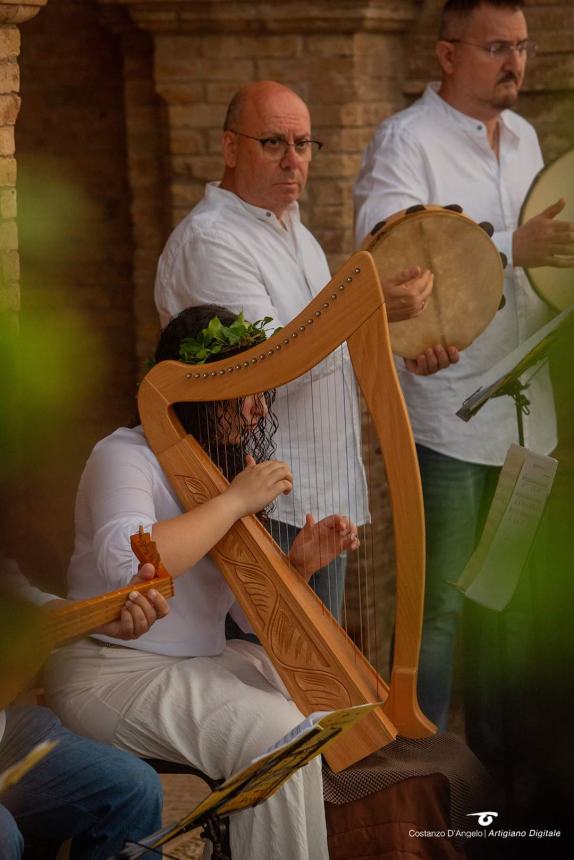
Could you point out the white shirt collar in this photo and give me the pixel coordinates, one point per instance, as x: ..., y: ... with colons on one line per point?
x: 213, y: 192
x: 470, y: 124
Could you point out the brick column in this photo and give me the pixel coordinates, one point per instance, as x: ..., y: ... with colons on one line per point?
x: 12, y: 13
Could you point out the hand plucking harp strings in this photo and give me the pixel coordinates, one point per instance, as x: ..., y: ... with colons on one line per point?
x: 319, y: 543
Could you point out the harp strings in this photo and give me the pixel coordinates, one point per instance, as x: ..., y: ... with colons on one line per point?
x: 333, y: 413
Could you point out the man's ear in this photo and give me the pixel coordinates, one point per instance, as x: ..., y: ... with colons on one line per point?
x: 229, y: 148
x: 445, y: 54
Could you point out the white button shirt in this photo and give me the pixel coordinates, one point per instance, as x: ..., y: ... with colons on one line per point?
x: 231, y: 253
x: 432, y: 153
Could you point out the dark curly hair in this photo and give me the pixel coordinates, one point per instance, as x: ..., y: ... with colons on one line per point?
x: 210, y: 423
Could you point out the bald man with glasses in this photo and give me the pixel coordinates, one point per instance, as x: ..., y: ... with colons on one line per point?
x: 461, y: 143
x: 244, y: 247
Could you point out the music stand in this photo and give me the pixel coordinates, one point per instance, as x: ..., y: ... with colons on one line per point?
x: 504, y: 377
x: 258, y: 781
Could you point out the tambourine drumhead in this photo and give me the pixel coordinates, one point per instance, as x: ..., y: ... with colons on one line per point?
x: 468, y: 276
x: 556, y: 180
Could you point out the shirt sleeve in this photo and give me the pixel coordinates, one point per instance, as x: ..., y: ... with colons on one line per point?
x: 392, y: 178
x: 118, y: 486
x: 211, y: 267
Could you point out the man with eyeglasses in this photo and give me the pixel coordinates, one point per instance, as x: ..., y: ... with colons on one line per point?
x: 460, y: 143
x: 244, y: 247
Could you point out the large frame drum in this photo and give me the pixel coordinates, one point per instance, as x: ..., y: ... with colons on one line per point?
x: 556, y: 180
x: 467, y: 268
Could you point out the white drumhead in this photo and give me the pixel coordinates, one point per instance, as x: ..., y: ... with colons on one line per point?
x: 468, y: 276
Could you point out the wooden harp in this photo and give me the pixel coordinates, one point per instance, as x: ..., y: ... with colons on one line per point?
x: 319, y: 664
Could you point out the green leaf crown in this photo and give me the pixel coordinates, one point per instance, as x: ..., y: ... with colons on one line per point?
x: 217, y: 339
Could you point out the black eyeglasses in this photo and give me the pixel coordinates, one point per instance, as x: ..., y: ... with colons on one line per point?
x: 275, y: 148
x: 500, y: 49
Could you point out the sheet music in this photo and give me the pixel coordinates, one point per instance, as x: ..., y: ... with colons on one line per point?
x: 492, y: 574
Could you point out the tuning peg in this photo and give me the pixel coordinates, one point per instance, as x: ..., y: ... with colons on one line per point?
x: 377, y: 227
x: 454, y: 207
x: 503, y: 260
x: 418, y: 208
x: 502, y: 303
x: 487, y: 227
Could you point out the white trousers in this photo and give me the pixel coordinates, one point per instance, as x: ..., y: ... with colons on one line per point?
x: 217, y: 713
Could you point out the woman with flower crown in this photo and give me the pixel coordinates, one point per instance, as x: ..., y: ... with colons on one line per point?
x: 182, y: 692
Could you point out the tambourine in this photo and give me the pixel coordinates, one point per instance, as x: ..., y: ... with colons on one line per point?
x: 556, y: 180
x: 467, y: 267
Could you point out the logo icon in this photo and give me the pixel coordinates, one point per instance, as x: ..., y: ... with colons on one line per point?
x: 484, y: 818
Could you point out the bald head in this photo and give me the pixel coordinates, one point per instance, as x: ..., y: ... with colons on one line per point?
x: 256, y: 113
x: 257, y: 94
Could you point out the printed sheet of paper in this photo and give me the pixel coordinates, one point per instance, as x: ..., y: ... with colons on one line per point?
x: 492, y: 574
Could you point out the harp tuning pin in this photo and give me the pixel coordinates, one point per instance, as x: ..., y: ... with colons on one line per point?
x: 310, y: 321
x: 286, y: 341
x: 487, y: 227
x: 253, y: 361
x: 222, y: 373
x: 341, y: 287
x: 333, y: 296
x: 357, y: 271
x: 270, y: 352
x: 294, y: 334
x: 188, y: 375
x: 325, y: 304
x: 503, y: 260
x: 502, y: 303
x: 454, y: 207
x: 349, y: 280
x: 317, y: 313
x: 301, y: 328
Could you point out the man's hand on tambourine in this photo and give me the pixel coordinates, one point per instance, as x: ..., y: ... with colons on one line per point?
x: 542, y: 241
x: 407, y: 294
x: 432, y: 360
